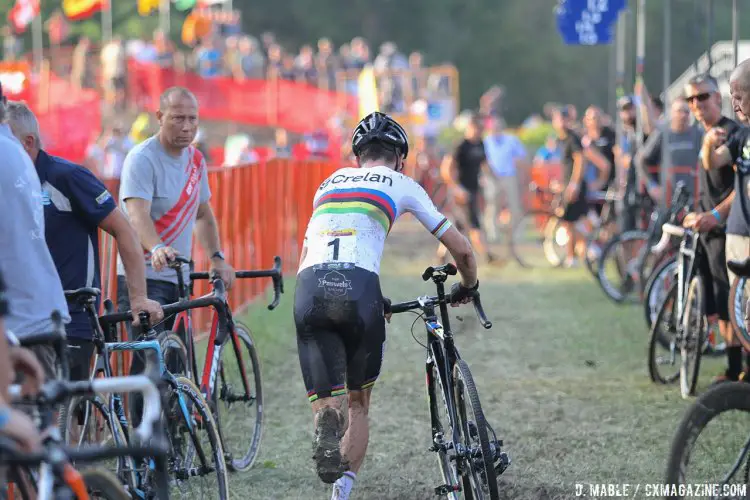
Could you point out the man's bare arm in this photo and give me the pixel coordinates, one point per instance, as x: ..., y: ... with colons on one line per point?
x: 715, y: 158
x: 207, y: 229
x: 139, y: 213
x: 447, y: 171
x: 130, y: 250
x: 724, y: 207
x: 602, y: 165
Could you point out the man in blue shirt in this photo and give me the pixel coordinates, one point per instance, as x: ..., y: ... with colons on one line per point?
x: 504, y: 153
x: 76, y: 205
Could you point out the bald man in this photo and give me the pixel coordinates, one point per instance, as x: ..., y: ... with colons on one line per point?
x: 721, y: 149
x: 164, y: 192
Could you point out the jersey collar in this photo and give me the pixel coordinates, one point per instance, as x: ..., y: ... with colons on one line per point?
x: 43, y: 164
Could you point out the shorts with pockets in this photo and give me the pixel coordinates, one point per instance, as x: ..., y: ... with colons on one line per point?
x: 338, y: 314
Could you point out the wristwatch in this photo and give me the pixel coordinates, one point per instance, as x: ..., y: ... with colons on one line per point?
x: 218, y: 255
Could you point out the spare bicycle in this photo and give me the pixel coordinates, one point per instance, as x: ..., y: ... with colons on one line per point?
x: 469, y: 460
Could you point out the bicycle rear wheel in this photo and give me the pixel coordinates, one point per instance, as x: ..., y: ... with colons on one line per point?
x: 86, y: 420
x: 538, y: 240
x: 481, y: 478
x: 102, y: 484
x: 683, y: 459
x: 693, y: 333
x: 238, y: 399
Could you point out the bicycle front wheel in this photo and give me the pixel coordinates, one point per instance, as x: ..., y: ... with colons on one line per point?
x: 238, y: 399
x: 693, y: 332
x: 720, y: 456
x: 196, y: 461
x: 657, y: 287
x: 662, y: 348
x: 480, y: 479
x: 618, y: 272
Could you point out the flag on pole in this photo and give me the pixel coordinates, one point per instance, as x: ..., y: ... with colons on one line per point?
x: 76, y: 10
x: 22, y: 13
x: 146, y: 7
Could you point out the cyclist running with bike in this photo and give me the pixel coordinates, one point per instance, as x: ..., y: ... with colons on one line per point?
x: 339, y: 307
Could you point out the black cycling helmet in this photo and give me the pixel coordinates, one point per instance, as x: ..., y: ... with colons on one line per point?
x: 379, y: 127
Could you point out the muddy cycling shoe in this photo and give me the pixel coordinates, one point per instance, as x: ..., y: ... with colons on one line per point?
x: 329, y: 430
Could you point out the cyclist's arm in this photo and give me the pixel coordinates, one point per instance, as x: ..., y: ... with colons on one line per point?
x: 419, y: 204
x: 463, y: 254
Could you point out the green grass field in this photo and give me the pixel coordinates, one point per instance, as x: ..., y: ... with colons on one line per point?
x: 562, y: 378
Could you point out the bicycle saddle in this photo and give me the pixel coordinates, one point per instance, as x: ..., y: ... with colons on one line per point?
x: 740, y: 267
x: 82, y: 293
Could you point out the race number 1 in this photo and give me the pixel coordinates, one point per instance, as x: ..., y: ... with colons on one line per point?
x: 341, y: 245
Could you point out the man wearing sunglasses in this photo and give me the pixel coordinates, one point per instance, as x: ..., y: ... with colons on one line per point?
x: 717, y: 192
x: 724, y: 147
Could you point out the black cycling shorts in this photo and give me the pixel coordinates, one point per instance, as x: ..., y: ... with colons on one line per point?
x: 577, y: 208
x: 715, y: 276
x: 338, y: 313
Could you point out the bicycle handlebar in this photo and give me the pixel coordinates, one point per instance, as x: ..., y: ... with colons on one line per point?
x: 669, y: 231
x: 425, y: 301
x: 10, y: 453
x: 57, y: 391
x: 275, y: 273
x: 217, y: 299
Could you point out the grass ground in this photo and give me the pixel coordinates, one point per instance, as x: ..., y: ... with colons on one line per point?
x: 562, y: 378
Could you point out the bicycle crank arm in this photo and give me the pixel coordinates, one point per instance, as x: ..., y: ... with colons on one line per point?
x: 444, y: 489
x: 194, y: 472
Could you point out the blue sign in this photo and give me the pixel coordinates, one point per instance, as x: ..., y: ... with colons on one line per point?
x: 588, y: 22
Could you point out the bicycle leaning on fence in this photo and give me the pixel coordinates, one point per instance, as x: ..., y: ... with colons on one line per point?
x: 469, y: 460
x: 231, y: 377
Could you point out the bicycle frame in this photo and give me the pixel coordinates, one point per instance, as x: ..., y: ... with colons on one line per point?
x: 55, y: 460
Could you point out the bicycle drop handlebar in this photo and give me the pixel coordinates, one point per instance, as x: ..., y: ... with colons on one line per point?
x: 275, y: 273
x: 439, y: 275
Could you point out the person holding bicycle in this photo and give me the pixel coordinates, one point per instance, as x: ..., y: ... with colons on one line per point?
x: 339, y: 307
x: 723, y: 147
x: 76, y: 206
x: 716, y: 196
x: 165, y: 194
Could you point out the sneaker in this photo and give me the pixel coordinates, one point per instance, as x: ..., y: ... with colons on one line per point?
x: 327, y: 445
